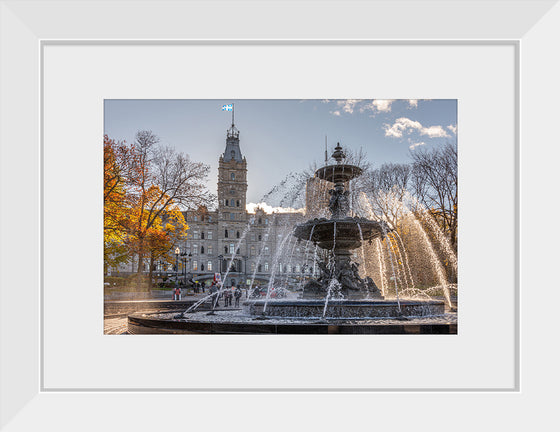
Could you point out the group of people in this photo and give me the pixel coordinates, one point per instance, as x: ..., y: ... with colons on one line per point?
x: 228, y: 294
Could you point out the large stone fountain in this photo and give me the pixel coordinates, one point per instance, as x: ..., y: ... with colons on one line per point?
x: 338, y: 236
x: 338, y: 301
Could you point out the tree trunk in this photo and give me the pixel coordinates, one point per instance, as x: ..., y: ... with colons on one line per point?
x: 150, y: 274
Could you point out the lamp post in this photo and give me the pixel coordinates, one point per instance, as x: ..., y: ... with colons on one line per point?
x: 177, y: 252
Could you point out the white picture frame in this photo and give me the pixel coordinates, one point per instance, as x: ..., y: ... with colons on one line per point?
x: 27, y: 27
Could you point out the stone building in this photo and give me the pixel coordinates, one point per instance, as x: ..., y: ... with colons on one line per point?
x: 244, y: 245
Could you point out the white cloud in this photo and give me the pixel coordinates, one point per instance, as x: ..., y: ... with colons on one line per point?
x: 335, y: 113
x: 434, y: 132
x: 414, y: 145
x: 453, y: 128
x: 377, y: 105
x: 252, y: 207
x: 405, y: 125
x: 413, y: 103
x: 400, y: 126
x: 348, y: 105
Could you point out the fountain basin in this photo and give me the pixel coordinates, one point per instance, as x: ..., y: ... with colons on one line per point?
x: 339, y: 173
x: 236, y: 322
x: 322, y: 232
x: 344, y: 309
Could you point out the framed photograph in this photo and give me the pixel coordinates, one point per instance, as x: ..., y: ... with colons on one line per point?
x: 68, y: 81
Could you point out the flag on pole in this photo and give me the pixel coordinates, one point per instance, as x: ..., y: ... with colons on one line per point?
x: 228, y: 107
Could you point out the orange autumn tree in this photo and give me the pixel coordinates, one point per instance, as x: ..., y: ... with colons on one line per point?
x: 159, y: 182
x: 115, y: 155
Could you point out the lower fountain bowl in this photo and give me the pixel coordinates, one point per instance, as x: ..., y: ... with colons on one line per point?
x: 341, y: 317
x: 344, y: 309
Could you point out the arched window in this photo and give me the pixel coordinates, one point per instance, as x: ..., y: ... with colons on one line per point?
x: 266, y: 266
x: 202, y: 267
x: 266, y: 251
x: 233, y: 174
x: 260, y: 237
x: 202, y: 235
x: 226, y: 234
x: 237, y: 234
x: 225, y: 249
x: 260, y: 268
x: 260, y: 221
x: 227, y: 203
x: 237, y: 203
x: 201, y: 250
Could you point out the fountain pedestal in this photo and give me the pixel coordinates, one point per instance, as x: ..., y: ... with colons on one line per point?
x: 340, y: 234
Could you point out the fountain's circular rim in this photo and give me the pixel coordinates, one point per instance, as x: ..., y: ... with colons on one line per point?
x: 347, y: 171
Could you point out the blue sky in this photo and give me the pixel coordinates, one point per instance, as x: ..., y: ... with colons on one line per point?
x: 280, y: 136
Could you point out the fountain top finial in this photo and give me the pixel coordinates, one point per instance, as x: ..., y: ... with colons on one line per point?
x: 338, y: 154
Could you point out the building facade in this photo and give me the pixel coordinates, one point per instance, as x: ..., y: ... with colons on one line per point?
x: 249, y: 248
x: 245, y: 248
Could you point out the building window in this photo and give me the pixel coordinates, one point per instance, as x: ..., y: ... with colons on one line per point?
x: 202, y: 267
x: 227, y: 203
x: 266, y: 266
x: 266, y: 251
x: 252, y: 236
x: 260, y: 268
x: 195, y: 235
x: 232, y: 216
x: 202, y: 235
x: 209, y: 252
x: 260, y: 238
x: 225, y: 249
x: 201, y: 250
x: 280, y: 268
x: 231, y: 248
x: 195, y: 218
x: 237, y: 203
x: 288, y: 268
x: 209, y: 265
x: 226, y: 234
x: 233, y: 174
x: 209, y: 218
x: 195, y: 265
x: 195, y: 249
x: 252, y: 250
x: 209, y: 235
x: 253, y: 266
x: 266, y: 237
x: 298, y: 268
x: 237, y: 234
x: 260, y: 221
x: 266, y: 221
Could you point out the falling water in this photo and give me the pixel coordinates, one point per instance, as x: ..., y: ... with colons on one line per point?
x: 440, y: 236
x: 259, y: 257
x: 306, y: 255
x: 405, y: 258
x: 381, y: 267
x: 393, y: 270
x: 332, y: 284
x: 400, y: 262
x: 440, y: 272
x: 273, y: 269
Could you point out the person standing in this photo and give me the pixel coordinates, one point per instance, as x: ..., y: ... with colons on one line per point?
x: 238, y: 295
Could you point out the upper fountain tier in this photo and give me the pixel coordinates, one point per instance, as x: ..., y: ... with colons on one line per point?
x: 338, y: 173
